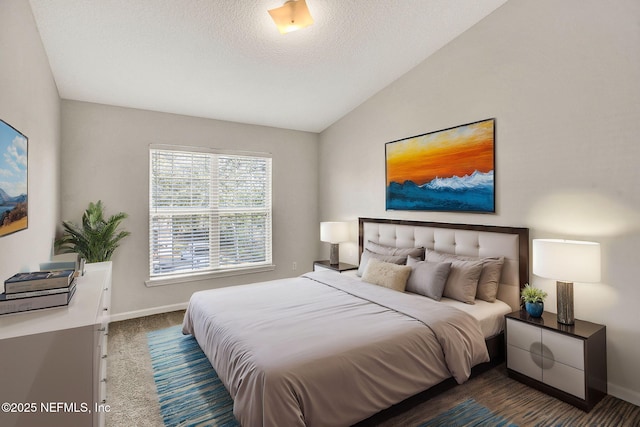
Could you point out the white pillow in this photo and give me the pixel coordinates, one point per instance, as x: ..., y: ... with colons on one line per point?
x: 367, y: 255
x: 392, y: 276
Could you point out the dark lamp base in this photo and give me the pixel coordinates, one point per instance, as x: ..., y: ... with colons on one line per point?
x: 334, y: 254
x: 564, y: 293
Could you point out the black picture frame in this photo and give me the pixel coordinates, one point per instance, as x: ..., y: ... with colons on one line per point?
x: 451, y: 170
x: 14, y: 180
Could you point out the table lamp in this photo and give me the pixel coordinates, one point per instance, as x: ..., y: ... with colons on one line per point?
x: 567, y: 261
x: 334, y: 233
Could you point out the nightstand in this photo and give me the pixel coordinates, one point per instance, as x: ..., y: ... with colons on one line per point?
x: 325, y: 265
x: 566, y: 361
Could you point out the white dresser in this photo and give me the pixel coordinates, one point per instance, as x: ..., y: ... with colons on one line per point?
x: 53, y: 365
x: 568, y: 362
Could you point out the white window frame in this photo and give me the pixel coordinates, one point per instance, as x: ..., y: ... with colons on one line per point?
x: 212, y: 210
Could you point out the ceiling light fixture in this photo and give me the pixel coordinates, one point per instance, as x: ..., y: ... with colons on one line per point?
x: 292, y: 16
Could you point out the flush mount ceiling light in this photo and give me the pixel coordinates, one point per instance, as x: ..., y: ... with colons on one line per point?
x: 292, y: 16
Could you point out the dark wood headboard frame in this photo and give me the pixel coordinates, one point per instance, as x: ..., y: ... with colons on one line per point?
x: 523, y: 237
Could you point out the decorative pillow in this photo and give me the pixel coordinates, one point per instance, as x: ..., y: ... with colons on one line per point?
x: 427, y: 278
x: 389, y: 275
x: 489, y: 278
x: 392, y: 250
x: 367, y: 255
x: 462, y: 282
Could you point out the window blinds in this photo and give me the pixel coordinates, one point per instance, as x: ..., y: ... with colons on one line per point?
x: 208, y: 211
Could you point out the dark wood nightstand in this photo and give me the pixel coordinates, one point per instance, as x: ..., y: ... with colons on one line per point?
x: 565, y: 361
x: 324, y: 264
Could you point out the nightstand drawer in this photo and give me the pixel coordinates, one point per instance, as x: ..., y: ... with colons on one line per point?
x: 563, y: 377
x: 523, y: 336
x: 524, y: 362
x: 563, y: 349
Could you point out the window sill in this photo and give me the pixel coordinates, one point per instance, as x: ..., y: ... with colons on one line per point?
x: 195, y: 277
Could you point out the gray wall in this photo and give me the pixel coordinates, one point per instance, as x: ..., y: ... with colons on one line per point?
x: 29, y: 102
x: 105, y: 156
x: 562, y: 79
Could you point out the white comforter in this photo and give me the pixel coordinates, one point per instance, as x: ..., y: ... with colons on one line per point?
x: 324, y: 349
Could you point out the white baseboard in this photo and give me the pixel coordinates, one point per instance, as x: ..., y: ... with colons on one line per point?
x: 630, y: 396
x: 148, y: 312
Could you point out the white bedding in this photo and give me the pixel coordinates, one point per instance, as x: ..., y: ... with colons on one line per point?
x: 490, y: 315
x: 325, y: 350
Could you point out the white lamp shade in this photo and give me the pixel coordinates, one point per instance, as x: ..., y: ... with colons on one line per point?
x: 334, y: 232
x: 566, y: 260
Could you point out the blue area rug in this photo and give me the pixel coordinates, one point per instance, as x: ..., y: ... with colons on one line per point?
x: 468, y: 414
x: 189, y: 390
x: 191, y: 394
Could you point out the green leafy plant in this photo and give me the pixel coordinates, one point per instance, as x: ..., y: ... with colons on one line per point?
x: 96, y: 239
x: 531, y: 294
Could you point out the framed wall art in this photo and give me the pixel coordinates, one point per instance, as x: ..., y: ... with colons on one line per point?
x: 446, y: 170
x: 13, y: 180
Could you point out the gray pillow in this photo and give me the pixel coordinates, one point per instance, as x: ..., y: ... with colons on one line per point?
x: 367, y: 255
x: 487, y: 289
x: 462, y: 282
x: 386, y: 274
x: 428, y: 278
x: 392, y: 250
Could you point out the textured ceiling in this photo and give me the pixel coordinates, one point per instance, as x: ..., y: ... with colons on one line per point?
x: 225, y: 59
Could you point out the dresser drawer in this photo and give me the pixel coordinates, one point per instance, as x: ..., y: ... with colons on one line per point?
x: 563, y: 348
x: 525, y: 362
x: 523, y: 336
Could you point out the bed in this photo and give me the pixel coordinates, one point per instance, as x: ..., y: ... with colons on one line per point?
x: 329, y: 349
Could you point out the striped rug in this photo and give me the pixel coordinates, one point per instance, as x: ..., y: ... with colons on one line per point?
x: 468, y: 414
x: 189, y: 390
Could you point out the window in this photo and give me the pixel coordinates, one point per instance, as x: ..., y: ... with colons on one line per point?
x: 208, y: 211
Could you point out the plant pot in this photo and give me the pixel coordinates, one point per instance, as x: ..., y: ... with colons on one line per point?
x: 534, y: 309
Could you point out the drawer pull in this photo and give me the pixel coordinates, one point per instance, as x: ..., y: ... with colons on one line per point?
x: 106, y: 309
x: 104, y: 356
x: 104, y: 380
x: 103, y: 401
x: 102, y: 329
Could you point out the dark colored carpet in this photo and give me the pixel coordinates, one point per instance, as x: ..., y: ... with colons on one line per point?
x: 468, y: 414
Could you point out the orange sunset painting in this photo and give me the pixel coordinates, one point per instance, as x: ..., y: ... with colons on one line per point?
x: 446, y: 170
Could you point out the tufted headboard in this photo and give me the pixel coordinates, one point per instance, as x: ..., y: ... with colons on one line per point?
x: 512, y: 243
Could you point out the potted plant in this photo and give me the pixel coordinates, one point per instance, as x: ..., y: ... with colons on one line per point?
x: 96, y: 239
x: 533, y: 300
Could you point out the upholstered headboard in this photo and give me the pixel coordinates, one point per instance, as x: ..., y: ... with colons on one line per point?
x: 512, y: 243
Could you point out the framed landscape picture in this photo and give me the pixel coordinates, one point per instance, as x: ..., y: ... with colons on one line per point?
x: 446, y: 170
x: 13, y: 180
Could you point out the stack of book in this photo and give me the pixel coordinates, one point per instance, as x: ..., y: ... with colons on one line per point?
x: 40, y: 289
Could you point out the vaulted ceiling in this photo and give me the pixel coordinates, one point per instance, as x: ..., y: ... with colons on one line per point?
x: 225, y: 59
